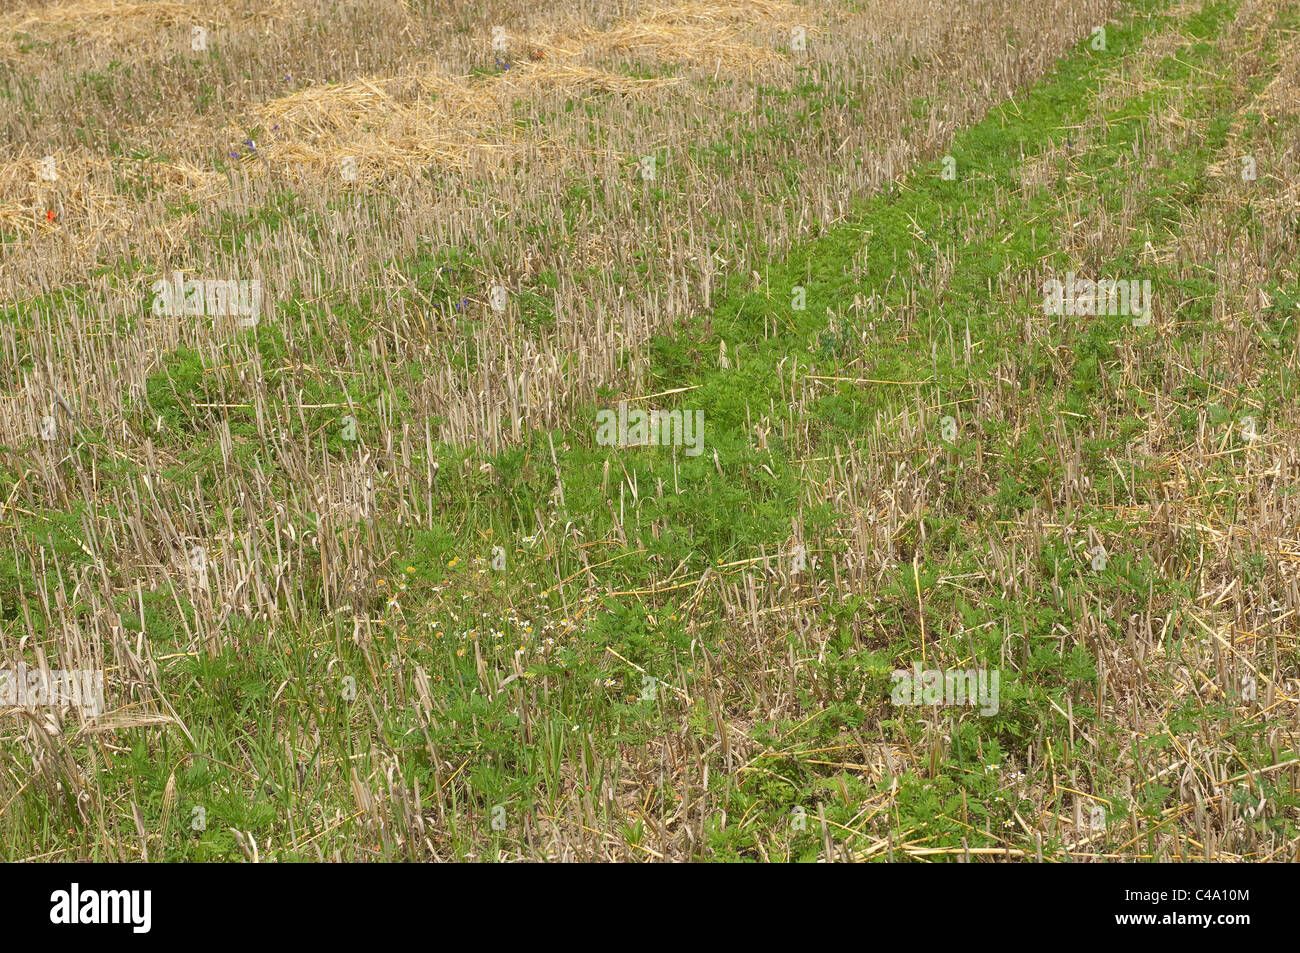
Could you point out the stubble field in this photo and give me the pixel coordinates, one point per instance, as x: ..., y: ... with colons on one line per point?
x: 382, y: 568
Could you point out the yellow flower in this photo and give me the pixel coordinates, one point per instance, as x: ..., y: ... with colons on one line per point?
x: 410, y: 569
x: 452, y: 564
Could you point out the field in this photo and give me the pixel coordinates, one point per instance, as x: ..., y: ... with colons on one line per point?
x: 592, y: 420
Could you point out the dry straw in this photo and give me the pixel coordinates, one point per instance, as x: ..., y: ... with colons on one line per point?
x: 411, y: 120
x: 118, y: 19
x: 86, y: 190
x: 424, y: 115
x: 108, y: 17
x: 123, y: 22
x: 711, y: 34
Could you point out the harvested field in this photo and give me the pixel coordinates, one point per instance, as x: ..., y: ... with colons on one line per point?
x: 651, y: 431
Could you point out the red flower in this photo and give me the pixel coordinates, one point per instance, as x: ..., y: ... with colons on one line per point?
x: 49, y: 215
